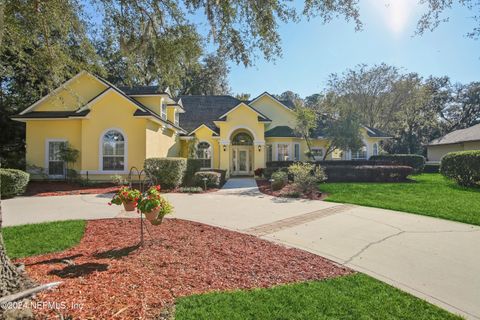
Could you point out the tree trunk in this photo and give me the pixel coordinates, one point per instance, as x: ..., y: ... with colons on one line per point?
x: 11, y: 280
x: 310, y: 155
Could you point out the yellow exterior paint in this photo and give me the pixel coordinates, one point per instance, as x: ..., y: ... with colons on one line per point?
x: 435, y: 153
x: 147, y: 136
x: 73, y: 95
x: 279, y: 114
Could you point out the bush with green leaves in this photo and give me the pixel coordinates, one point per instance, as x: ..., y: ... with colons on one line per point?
x: 190, y: 190
x: 306, y: 176
x: 168, y: 172
x: 193, y: 166
x: 13, y: 182
x: 462, y: 166
x: 213, y: 179
x: 416, y: 161
x: 280, y: 179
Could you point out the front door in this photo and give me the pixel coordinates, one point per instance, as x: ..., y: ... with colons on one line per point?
x: 241, y: 161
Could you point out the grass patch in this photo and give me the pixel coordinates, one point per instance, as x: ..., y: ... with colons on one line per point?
x: 428, y: 194
x: 351, y: 297
x: 33, y: 239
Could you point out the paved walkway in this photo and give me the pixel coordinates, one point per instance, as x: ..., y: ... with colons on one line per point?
x: 434, y: 259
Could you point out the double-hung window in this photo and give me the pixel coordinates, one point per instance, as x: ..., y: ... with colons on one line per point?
x: 296, y: 152
x: 204, y: 153
x: 269, y: 152
x: 283, y: 152
x: 113, y: 151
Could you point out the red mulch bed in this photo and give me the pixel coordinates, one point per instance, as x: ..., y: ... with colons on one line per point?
x: 265, y: 187
x: 112, y: 278
x: 62, y: 188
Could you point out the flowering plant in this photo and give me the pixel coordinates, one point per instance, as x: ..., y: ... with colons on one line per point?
x: 152, y: 200
x: 125, y: 194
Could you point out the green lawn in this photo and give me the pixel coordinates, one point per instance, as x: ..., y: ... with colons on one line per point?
x: 429, y: 194
x: 351, y: 297
x: 33, y: 239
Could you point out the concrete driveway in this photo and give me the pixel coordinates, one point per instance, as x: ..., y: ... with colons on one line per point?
x: 434, y: 259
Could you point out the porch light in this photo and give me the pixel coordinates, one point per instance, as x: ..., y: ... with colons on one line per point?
x: 259, y: 148
x: 224, y: 147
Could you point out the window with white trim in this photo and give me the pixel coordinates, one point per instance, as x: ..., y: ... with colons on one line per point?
x: 56, y: 166
x: 317, y: 153
x: 177, y: 118
x: 375, y: 149
x: 360, y: 154
x: 283, y: 152
x: 164, y: 110
x: 296, y: 152
x: 113, y: 151
x: 204, y: 153
x: 269, y: 152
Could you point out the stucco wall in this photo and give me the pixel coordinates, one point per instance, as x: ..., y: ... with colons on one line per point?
x: 280, y: 115
x: 435, y: 153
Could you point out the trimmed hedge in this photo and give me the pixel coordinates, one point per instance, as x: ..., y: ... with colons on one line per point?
x: 416, y: 161
x: 13, y: 182
x: 431, y: 168
x: 168, y: 172
x: 213, y: 179
x: 367, y: 173
x: 462, y: 166
x: 193, y: 166
x: 286, y: 164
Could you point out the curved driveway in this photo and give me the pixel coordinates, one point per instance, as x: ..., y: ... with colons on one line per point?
x: 434, y: 259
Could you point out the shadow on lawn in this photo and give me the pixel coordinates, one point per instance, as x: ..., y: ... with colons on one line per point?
x: 79, y: 270
x: 116, y: 253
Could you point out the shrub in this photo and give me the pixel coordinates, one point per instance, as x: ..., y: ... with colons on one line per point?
x: 193, y: 166
x: 432, y: 168
x: 213, y: 179
x: 291, y: 194
x: 13, y: 182
x: 168, y: 172
x: 280, y: 179
x: 190, y: 189
x: 306, y: 176
x: 416, y: 161
x: 367, y: 173
x: 223, y: 174
x: 463, y: 167
x: 258, y: 172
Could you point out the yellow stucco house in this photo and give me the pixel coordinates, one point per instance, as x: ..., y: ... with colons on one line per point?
x: 116, y: 128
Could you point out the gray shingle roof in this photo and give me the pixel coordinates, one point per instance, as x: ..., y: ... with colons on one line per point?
x: 141, y: 90
x: 281, y: 131
x: 458, y: 136
x: 51, y: 114
x: 375, y: 133
x: 204, y: 110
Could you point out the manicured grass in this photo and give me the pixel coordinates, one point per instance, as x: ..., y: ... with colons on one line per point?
x: 34, y: 239
x: 428, y: 194
x: 351, y: 297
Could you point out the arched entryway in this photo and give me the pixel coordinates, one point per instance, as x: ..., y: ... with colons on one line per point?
x: 242, y: 157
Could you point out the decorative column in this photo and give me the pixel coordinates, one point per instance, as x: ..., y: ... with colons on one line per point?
x: 225, y: 156
x: 259, y: 154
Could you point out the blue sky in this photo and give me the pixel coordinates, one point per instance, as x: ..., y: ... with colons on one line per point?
x: 311, y: 50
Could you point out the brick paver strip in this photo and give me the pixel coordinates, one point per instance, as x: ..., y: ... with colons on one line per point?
x: 278, y: 225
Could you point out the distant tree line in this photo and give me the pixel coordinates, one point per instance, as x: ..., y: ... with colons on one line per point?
x: 413, y: 109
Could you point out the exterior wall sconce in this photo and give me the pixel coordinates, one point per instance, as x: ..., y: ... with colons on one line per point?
x: 224, y: 147
x: 259, y: 148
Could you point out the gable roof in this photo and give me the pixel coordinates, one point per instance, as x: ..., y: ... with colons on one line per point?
x: 260, y: 115
x: 375, y: 133
x: 142, y: 90
x: 51, y: 115
x: 204, y: 110
x: 458, y: 136
x: 281, y: 132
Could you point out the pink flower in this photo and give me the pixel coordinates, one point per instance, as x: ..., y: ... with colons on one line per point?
x: 109, y: 203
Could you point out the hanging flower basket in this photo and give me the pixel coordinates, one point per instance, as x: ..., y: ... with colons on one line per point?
x: 154, y: 206
x: 126, y: 196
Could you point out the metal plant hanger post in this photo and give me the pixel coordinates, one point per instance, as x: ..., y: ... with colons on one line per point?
x: 143, y: 182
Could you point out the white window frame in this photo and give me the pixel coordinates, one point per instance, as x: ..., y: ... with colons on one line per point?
x: 375, y: 149
x: 295, y: 158
x: 354, y: 154
x: 269, y: 145
x: 47, y: 158
x: 289, y: 148
x: 176, y: 117
x: 211, y: 153
x: 163, y: 110
x: 100, y: 153
x: 323, y: 153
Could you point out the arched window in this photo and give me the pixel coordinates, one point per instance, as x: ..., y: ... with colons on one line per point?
x: 204, y: 153
x: 242, y: 139
x: 360, y: 154
x: 113, y: 151
x: 375, y: 149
